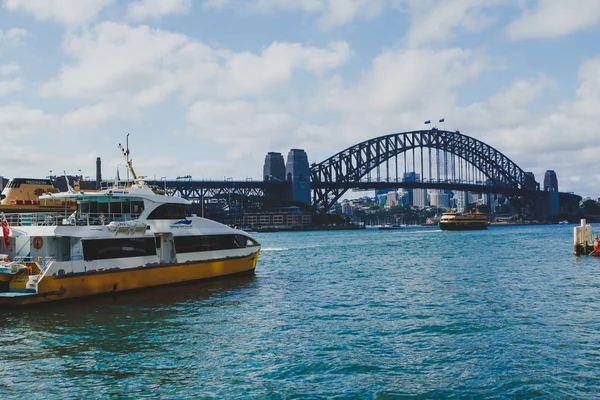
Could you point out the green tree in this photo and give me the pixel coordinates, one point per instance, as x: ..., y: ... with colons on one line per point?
x: 591, y: 207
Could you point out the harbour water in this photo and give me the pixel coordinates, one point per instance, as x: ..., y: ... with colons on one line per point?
x: 503, y: 313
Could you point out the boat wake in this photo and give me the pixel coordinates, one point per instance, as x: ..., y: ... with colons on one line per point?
x: 275, y: 249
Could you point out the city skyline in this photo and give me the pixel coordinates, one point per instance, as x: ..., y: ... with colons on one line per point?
x: 207, y: 88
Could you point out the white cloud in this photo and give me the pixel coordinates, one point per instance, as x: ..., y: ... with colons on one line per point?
x: 17, y: 121
x: 246, y: 129
x: 96, y: 114
x: 342, y: 12
x: 146, y: 66
x: 67, y: 12
x: 113, y: 61
x: 555, y: 18
x: 247, y: 73
x: 331, y: 13
x: 562, y: 137
x: 10, y: 86
x: 13, y: 36
x: 156, y: 9
x: 10, y: 68
x: 434, y: 21
x: 408, y: 80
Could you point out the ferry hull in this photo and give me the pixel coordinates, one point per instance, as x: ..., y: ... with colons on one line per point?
x: 93, y: 284
x: 473, y: 226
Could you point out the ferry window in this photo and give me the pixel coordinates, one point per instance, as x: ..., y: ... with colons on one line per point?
x: 102, y: 249
x: 137, y: 207
x: 103, y: 208
x: 241, y: 240
x: 193, y: 244
x: 126, y: 207
x: 169, y: 211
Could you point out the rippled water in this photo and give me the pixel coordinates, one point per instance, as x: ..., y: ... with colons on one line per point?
x: 503, y: 313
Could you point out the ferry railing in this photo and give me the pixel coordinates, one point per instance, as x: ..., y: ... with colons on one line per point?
x: 32, y: 219
x: 55, y: 219
x: 99, y: 218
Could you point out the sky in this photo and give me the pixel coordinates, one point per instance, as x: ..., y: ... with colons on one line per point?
x: 207, y: 87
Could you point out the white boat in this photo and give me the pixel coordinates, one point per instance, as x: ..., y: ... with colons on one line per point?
x: 121, y: 238
x: 389, y: 227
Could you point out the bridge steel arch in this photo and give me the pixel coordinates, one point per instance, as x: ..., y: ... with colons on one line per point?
x: 331, y: 178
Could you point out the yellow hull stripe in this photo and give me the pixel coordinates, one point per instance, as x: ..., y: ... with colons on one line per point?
x: 67, y: 287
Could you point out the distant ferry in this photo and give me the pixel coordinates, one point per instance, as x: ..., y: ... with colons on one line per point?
x: 389, y: 227
x: 23, y: 195
x: 455, y: 221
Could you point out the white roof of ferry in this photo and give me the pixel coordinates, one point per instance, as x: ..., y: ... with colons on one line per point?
x: 138, y: 191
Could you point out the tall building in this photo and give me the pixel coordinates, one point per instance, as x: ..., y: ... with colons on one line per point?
x: 391, y: 199
x: 420, y: 198
x: 411, y: 177
x: 298, y: 172
x: 462, y: 200
x: 347, y: 208
x: 550, y: 181
x: 440, y: 199
x: 274, y: 167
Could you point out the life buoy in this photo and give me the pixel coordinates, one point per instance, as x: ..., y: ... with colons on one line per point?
x: 37, y: 242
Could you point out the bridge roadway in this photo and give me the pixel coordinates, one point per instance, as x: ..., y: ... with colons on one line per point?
x: 195, y: 190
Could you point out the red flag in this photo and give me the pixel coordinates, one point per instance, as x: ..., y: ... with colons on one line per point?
x: 5, y: 232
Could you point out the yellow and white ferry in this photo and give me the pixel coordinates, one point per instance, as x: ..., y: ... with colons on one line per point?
x: 456, y: 221
x: 121, y: 238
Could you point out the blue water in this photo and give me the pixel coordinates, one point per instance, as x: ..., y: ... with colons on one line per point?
x: 503, y: 313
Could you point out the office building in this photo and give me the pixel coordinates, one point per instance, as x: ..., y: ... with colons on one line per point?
x: 420, y: 198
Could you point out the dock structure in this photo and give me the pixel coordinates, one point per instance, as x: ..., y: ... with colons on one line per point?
x: 584, y: 243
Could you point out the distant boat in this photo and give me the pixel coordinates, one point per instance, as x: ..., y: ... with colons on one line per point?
x: 563, y: 222
x: 455, y: 221
x: 389, y: 227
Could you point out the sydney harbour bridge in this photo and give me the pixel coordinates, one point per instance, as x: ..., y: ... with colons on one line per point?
x: 424, y: 159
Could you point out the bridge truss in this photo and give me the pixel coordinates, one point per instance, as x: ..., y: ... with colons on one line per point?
x: 425, y: 159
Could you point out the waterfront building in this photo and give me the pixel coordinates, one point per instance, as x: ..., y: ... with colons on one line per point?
x: 550, y: 181
x: 298, y: 172
x: 274, y: 167
x: 276, y: 218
